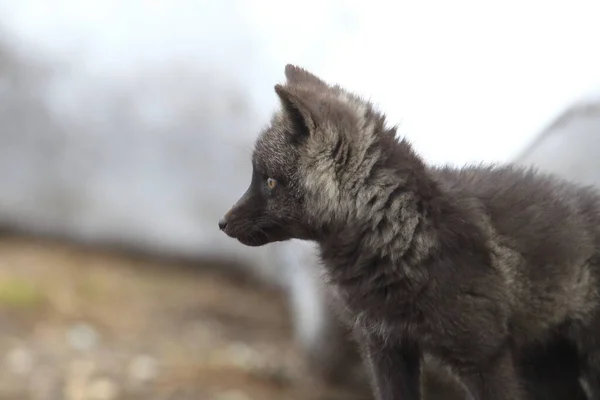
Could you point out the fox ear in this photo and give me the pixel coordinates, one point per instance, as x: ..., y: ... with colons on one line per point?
x: 299, y: 110
x: 297, y: 76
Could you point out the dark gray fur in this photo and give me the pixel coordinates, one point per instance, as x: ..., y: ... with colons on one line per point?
x: 549, y: 372
x: 472, y: 267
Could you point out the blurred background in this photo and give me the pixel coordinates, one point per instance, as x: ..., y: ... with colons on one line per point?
x: 126, y: 129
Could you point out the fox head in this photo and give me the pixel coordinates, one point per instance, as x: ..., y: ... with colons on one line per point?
x: 321, y: 164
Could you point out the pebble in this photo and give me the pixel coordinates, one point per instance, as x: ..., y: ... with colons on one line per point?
x: 243, y: 356
x: 233, y: 395
x: 82, y: 337
x: 143, y: 369
x: 102, y: 389
x: 76, y: 380
x: 19, y: 361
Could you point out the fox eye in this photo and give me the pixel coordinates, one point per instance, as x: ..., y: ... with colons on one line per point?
x: 271, y: 183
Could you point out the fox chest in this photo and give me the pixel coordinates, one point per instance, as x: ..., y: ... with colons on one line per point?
x: 378, y: 314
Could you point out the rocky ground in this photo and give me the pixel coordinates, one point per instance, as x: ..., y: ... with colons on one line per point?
x: 85, y: 324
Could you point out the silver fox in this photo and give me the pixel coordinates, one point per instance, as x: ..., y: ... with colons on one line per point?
x: 474, y: 268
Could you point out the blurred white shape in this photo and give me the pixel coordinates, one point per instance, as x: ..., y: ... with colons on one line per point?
x: 19, y: 361
x: 143, y: 368
x: 82, y: 337
x: 569, y: 147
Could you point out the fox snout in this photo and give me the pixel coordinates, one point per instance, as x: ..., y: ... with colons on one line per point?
x: 236, y: 212
x: 234, y: 223
x: 251, y: 222
x: 240, y: 222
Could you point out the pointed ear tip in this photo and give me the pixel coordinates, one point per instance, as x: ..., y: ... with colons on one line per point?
x: 292, y: 70
x: 281, y: 91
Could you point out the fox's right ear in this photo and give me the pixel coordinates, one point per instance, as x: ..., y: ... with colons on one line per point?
x: 300, y: 111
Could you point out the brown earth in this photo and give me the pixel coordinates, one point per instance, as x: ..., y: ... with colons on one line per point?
x: 87, y: 324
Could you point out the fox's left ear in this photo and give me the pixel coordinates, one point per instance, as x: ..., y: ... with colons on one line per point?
x: 299, y: 76
x: 300, y: 107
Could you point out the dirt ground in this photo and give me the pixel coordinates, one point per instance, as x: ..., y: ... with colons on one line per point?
x: 86, y: 324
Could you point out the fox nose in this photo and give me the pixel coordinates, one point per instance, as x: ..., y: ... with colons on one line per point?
x: 223, y: 221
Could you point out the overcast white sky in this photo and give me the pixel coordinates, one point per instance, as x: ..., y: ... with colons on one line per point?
x: 467, y: 80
